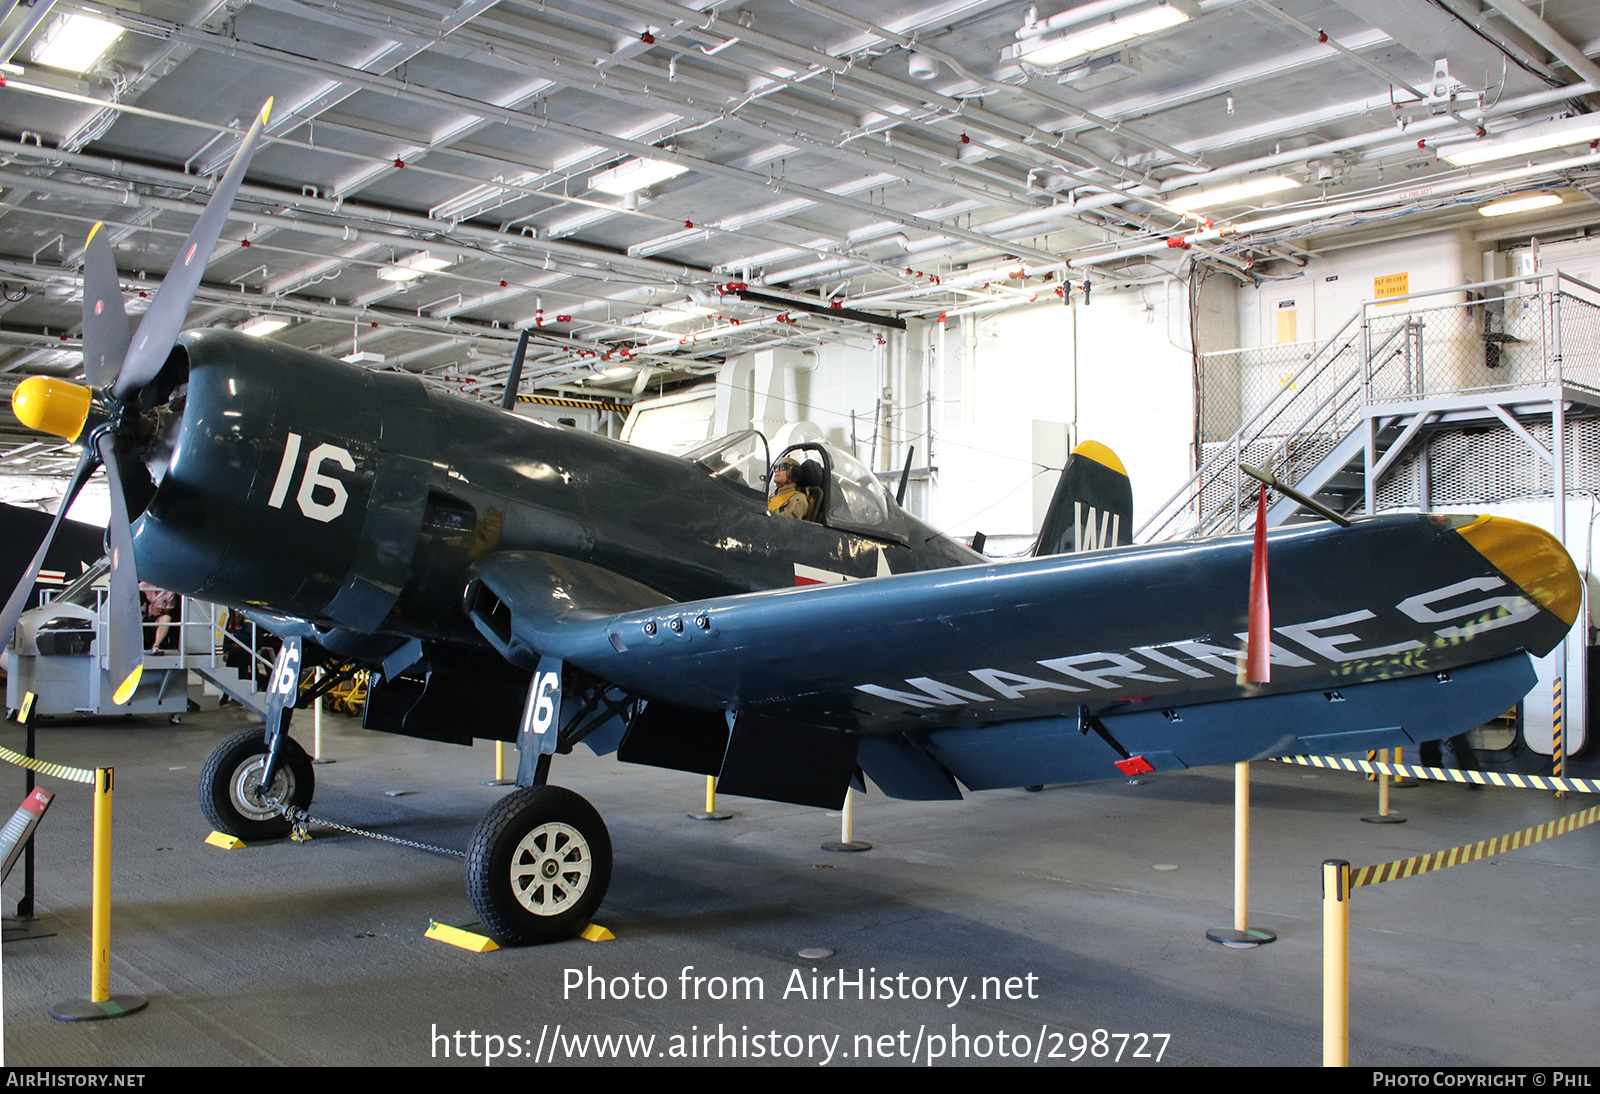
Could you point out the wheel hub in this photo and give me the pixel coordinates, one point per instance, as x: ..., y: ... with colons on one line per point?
x: 251, y: 799
x: 550, y: 868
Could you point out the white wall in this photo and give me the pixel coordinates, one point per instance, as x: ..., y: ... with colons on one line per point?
x: 1135, y: 387
x: 1008, y: 394
x: 1578, y: 257
x: 1330, y: 288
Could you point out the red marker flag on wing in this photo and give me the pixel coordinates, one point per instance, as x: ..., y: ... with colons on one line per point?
x: 1258, y: 651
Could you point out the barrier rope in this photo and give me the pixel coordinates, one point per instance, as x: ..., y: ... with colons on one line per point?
x: 1449, y: 775
x: 59, y: 771
x: 1471, y: 852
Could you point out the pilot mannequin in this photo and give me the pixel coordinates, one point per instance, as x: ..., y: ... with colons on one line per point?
x: 786, y: 498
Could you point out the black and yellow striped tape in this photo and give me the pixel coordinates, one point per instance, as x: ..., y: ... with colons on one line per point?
x: 1447, y: 774
x: 59, y: 771
x: 583, y: 404
x: 1472, y: 852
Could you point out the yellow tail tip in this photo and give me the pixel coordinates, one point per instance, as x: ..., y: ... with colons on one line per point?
x: 1100, y: 454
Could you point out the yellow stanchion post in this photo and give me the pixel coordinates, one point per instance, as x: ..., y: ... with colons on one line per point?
x: 847, y: 826
x: 712, y: 813
x: 499, y: 767
x: 1383, y: 815
x: 1242, y: 935
x: 100, y: 1002
x: 1335, y: 963
x: 1402, y: 782
x: 100, y: 893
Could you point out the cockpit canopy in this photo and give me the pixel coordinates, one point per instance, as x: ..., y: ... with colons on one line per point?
x: 851, y: 496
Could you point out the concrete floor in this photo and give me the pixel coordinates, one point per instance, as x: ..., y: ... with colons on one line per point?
x: 314, y: 953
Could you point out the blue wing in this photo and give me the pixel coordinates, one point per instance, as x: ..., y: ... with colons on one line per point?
x: 1052, y: 669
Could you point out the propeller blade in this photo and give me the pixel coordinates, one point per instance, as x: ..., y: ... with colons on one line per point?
x: 159, y: 329
x: 125, y: 656
x: 19, y: 597
x: 105, y: 323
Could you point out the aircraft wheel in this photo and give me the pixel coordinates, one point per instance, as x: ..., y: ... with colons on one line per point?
x: 538, y: 866
x: 230, y: 772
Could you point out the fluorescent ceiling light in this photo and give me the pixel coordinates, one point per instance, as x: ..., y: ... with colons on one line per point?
x: 1519, y: 205
x: 672, y: 313
x: 1227, y: 195
x: 636, y: 174
x: 618, y: 371
x: 1523, y: 142
x: 262, y: 325
x: 409, y: 269
x: 1122, y: 27
x: 75, y: 42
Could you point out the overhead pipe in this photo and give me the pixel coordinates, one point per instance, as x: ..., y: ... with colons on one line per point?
x: 930, y: 249
x: 518, y: 119
x: 955, y: 64
x: 525, y: 190
x: 818, y: 137
x: 1531, y: 101
x: 1548, y: 37
x: 39, y: 12
x: 1371, y: 66
x: 1301, y: 216
x: 911, y: 95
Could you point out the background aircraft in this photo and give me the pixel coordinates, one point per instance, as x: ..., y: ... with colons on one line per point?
x: 647, y: 604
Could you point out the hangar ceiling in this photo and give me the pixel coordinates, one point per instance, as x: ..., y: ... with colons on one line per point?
x: 439, y: 176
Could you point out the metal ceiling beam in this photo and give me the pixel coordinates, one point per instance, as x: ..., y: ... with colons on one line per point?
x: 1548, y: 37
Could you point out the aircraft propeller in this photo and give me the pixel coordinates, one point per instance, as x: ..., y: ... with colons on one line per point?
x: 105, y: 414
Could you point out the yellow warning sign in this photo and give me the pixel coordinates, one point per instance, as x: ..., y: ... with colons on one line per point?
x: 1391, y: 285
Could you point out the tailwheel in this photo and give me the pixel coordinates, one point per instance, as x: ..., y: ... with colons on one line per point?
x: 538, y: 865
x: 231, y: 796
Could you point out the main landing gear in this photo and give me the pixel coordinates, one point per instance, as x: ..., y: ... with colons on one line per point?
x: 538, y: 865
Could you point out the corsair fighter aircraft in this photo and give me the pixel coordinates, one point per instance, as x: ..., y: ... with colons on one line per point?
x: 511, y: 580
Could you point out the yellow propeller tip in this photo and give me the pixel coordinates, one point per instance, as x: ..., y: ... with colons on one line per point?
x: 266, y: 109
x: 129, y: 686
x: 97, y: 226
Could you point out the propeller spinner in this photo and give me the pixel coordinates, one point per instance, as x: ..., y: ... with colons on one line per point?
x: 117, y: 366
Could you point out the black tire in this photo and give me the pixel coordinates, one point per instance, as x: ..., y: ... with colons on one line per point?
x: 538, y: 866
x: 234, y: 763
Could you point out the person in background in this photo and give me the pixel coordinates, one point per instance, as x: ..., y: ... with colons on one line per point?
x: 160, y: 608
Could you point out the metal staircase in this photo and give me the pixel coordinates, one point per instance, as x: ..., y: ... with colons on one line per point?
x: 1355, y: 424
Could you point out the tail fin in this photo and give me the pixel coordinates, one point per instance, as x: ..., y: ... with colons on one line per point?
x: 1092, y: 506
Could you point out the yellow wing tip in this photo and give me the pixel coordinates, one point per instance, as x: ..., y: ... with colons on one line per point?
x: 1099, y: 453
x: 1531, y: 557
